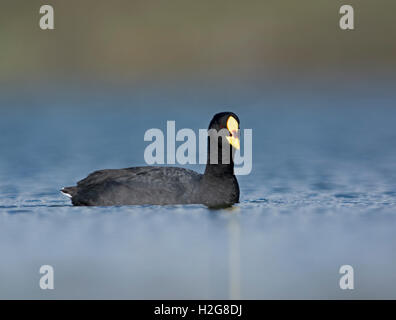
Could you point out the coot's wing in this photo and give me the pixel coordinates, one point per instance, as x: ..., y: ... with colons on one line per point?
x: 138, y: 185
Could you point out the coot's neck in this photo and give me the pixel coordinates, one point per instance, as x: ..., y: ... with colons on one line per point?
x: 219, y: 169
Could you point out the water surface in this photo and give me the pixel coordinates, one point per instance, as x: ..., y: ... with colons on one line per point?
x: 322, y: 193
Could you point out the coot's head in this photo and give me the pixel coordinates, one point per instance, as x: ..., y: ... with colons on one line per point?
x: 226, y: 124
x: 223, y: 140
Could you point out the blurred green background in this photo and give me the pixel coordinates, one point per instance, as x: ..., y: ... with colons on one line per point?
x: 144, y: 42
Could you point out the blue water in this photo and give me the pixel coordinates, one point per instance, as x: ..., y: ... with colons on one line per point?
x: 322, y: 193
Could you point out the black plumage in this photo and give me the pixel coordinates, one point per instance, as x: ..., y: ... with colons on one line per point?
x: 217, y: 187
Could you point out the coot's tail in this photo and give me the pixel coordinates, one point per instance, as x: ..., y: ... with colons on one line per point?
x: 69, y: 191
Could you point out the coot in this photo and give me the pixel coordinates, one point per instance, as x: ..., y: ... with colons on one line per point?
x: 217, y: 187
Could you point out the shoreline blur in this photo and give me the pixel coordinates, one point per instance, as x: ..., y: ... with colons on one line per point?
x: 143, y: 42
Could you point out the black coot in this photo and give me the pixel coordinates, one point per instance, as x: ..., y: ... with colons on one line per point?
x: 217, y: 187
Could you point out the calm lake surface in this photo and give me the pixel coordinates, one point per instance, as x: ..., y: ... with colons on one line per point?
x: 322, y: 194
